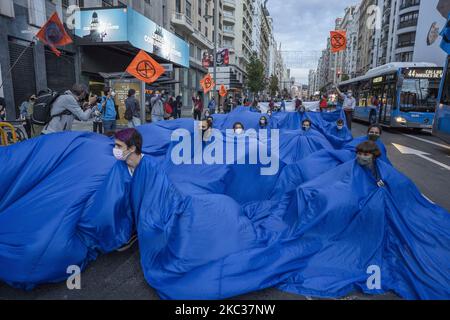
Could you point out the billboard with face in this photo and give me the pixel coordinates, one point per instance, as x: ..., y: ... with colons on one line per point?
x: 431, y: 23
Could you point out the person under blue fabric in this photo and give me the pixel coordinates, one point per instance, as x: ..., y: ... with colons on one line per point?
x: 263, y: 123
x: 320, y: 240
x: 338, y: 134
x: 128, y: 149
x: 60, y: 209
x: 374, y: 133
x: 377, y: 220
x: 306, y: 125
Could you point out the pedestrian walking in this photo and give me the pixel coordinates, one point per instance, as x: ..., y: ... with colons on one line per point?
x: 212, y: 105
x: 157, y: 107
x: 132, y: 110
x: 97, y: 125
x: 198, y: 109
x: 109, y: 110
x: 26, y: 111
x: 178, y: 106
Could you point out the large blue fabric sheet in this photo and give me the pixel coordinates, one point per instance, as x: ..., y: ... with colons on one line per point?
x: 212, y: 231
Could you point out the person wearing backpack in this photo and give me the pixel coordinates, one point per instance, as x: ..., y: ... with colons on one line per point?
x: 132, y: 110
x: 65, y: 108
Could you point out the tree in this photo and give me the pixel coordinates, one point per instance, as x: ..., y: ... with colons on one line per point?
x: 273, y: 85
x: 255, y: 75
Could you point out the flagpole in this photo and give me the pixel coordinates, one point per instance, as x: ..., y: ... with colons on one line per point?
x: 8, y: 73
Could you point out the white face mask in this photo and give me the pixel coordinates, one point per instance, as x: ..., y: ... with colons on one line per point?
x: 113, y: 94
x: 239, y: 131
x: 120, y: 155
x: 340, y: 127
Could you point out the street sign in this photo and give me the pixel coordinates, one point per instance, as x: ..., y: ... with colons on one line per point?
x: 167, y: 66
x: 219, y: 69
x: 223, y: 81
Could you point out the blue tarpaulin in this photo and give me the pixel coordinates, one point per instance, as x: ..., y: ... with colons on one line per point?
x: 210, y: 231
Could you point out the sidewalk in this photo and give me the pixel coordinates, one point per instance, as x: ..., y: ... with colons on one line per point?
x: 88, y: 126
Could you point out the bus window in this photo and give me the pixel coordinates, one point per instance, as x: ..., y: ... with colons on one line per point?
x: 445, y: 98
x: 419, y: 95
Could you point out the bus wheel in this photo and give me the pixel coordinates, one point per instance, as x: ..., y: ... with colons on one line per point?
x: 373, y: 118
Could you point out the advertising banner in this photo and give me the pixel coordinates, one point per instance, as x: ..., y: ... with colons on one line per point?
x: 431, y: 23
x: 129, y: 26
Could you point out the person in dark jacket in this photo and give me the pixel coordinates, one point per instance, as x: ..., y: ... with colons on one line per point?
x: 132, y: 104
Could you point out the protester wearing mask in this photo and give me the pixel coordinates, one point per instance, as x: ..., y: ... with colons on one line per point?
x: 374, y: 133
x: 68, y: 106
x: 238, y: 128
x: 157, y: 107
x: 109, y: 110
x: 366, y: 155
x: 178, y: 105
x: 348, y: 105
x: 128, y: 148
x: 306, y: 125
x: 263, y: 123
x: 206, y: 114
x: 269, y: 113
x: 206, y: 127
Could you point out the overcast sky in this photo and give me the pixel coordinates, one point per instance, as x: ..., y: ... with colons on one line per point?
x: 303, y: 25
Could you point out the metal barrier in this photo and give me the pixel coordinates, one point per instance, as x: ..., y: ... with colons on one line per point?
x: 4, y: 134
x: 4, y: 138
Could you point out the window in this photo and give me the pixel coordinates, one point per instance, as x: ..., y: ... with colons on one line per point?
x: 408, y: 20
x: 419, y: 95
x: 199, y: 26
x: 406, y: 40
x: 200, y: 8
x: 191, y: 50
x: 188, y: 10
x: 178, y: 6
x: 404, y: 56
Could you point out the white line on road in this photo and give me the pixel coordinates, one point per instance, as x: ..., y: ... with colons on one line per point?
x: 427, y: 141
x: 421, y: 154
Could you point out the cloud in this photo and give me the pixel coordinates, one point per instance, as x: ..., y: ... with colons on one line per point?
x: 304, y: 25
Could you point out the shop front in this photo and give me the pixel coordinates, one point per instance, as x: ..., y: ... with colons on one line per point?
x: 109, y: 39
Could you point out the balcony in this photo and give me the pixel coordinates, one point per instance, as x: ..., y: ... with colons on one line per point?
x: 405, y: 44
x: 406, y: 24
x: 183, y: 22
x: 409, y: 3
x: 228, y: 32
x: 229, y: 4
x: 203, y: 40
x: 228, y: 17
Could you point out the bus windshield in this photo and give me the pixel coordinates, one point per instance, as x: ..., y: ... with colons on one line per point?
x: 445, y: 96
x: 419, y: 95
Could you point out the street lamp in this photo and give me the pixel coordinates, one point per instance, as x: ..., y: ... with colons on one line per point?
x: 216, y: 35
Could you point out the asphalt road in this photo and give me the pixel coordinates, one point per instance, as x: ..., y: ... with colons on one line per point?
x: 119, y: 275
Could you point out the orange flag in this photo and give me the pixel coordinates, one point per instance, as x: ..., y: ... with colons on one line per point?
x: 207, y: 83
x: 145, y: 68
x: 223, y: 91
x: 54, y: 34
x: 338, y: 41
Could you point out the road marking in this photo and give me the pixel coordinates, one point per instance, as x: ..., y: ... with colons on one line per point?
x: 421, y: 154
x: 427, y: 141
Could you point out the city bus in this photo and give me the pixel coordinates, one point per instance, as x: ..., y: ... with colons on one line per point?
x: 441, y: 127
x: 401, y: 94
